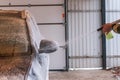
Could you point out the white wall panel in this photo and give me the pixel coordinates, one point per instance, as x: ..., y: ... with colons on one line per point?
x: 112, y: 46
x: 84, y: 40
x: 47, y: 14
x: 113, y: 4
x: 84, y: 5
x: 46, y: 1
x: 14, y: 8
x: 19, y: 2
x: 23, y: 2
x: 112, y: 16
x: 43, y: 14
x: 4, y: 2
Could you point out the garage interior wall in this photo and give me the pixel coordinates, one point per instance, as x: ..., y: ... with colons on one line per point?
x: 48, y: 15
x: 84, y: 17
x: 113, y: 45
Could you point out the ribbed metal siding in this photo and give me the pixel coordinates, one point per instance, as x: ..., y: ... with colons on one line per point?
x: 113, y: 51
x: 84, y: 40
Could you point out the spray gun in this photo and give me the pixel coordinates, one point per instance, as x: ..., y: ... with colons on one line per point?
x: 108, y: 35
x: 99, y: 28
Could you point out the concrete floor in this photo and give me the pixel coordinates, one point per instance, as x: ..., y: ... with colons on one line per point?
x: 82, y: 75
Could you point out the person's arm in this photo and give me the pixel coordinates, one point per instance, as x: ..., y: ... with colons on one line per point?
x: 106, y: 28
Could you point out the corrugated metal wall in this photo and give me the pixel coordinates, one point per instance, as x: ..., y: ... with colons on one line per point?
x: 84, y: 41
x: 113, y: 45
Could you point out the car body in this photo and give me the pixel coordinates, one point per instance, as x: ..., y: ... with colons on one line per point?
x: 23, y: 50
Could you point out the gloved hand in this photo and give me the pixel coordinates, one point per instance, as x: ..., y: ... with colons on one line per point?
x: 106, y: 28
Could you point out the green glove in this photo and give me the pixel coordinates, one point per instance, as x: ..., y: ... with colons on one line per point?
x: 109, y: 36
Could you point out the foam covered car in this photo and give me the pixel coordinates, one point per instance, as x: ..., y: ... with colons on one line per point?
x: 23, y: 50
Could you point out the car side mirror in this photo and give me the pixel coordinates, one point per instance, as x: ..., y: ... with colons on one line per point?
x: 47, y: 46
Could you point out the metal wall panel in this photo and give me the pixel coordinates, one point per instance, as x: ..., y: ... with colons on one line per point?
x: 4, y: 2
x: 112, y: 4
x: 47, y: 1
x: 84, y: 41
x: 113, y: 45
x: 48, y: 14
x: 19, y: 2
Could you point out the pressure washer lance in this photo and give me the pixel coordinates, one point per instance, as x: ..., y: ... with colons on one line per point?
x: 99, y: 29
